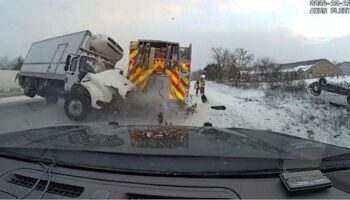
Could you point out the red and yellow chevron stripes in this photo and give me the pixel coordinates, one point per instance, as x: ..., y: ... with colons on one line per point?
x: 132, y: 57
x: 178, y: 84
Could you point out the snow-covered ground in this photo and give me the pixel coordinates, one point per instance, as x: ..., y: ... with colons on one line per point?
x: 7, y: 79
x: 8, y: 84
x: 299, y: 115
x: 290, y: 114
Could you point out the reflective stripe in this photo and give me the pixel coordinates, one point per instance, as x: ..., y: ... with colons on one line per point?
x: 133, y: 54
x: 179, y: 95
x: 139, y: 77
x: 133, y: 76
x: 184, y: 82
x: 185, y: 66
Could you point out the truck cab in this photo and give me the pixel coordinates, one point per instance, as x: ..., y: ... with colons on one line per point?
x: 91, y: 82
x: 78, y: 66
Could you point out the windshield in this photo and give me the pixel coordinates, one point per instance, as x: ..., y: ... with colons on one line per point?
x: 90, y: 65
x: 258, y: 80
x: 222, y: 151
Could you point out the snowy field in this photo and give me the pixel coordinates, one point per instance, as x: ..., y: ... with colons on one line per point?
x: 7, y: 79
x: 296, y: 114
x: 299, y: 115
x: 8, y: 84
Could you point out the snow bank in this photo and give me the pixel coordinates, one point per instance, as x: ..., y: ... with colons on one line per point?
x: 7, y: 80
x: 16, y: 100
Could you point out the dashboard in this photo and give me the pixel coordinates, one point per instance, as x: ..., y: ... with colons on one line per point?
x: 18, y: 178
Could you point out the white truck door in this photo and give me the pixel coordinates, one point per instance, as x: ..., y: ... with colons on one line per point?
x: 72, y: 74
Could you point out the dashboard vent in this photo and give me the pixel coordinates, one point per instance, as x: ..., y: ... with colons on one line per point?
x: 54, y: 187
x: 144, y: 196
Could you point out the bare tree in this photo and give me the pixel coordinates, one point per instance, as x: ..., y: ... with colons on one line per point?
x: 242, y: 58
x: 276, y: 72
x: 211, y: 72
x: 221, y: 58
x: 11, y: 64
x: 4, y: 62
x: 230, y: 62
x: 217, y: 55
x: 18, y: 63
x: 268, y: 69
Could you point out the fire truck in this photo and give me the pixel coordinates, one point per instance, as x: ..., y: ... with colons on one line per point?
x: 160, y: 69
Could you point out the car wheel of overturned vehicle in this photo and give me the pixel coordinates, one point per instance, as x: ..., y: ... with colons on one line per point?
x: 76, y: 107
x: 315, y: 89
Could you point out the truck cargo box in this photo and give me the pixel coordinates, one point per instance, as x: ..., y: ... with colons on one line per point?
x: 46, y: 58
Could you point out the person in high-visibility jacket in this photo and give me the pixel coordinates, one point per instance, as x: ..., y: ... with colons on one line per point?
x: 196, y: 86
x: 200, y: 85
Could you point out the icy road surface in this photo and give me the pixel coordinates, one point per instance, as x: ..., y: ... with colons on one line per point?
x: 245, y: 108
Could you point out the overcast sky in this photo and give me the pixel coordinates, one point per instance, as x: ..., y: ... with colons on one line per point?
x: 281, y: 29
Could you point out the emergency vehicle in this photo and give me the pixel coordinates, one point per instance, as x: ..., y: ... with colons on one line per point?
x: 160, y: 64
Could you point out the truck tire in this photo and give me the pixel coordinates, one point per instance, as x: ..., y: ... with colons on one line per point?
x: 28, y: 88
x: 322, y: 82
x: 315, y: 89
x: 76, y: 107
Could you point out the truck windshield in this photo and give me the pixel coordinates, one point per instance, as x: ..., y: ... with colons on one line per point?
x: 108, y: 65
x: 90, y: 65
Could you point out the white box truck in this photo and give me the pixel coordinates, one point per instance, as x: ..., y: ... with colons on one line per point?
x: 79, y: 67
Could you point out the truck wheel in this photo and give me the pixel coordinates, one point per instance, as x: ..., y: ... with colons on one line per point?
x: 76, y: 107
x: 322, y: 82
x: 28, y: 89
x: 51, y: 99
x: 315, y: 89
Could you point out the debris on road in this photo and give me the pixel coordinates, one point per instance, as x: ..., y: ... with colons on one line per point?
x: 218, y: 107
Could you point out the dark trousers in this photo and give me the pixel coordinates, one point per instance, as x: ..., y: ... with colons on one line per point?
x: 202, y: 90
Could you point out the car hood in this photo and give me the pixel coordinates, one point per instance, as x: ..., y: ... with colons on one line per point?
x: 173, y: 140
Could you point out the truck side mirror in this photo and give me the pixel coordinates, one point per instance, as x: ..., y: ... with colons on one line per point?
x: 67, y: 63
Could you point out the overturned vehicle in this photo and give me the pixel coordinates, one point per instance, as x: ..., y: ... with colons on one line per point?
x: 332, y: 93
